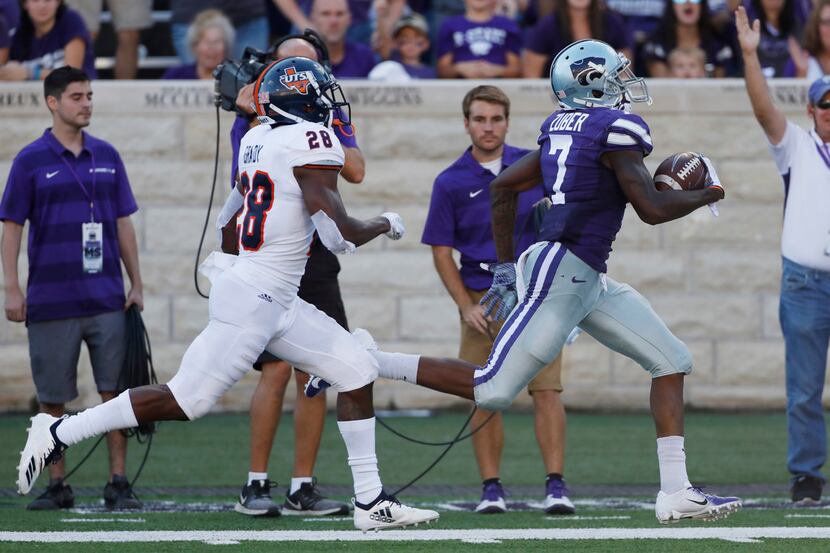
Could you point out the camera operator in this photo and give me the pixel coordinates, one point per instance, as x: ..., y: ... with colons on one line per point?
x: 319, y: 287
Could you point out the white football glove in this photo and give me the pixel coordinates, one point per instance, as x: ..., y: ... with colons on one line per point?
x: 712, y: 180
x: 397, y: 229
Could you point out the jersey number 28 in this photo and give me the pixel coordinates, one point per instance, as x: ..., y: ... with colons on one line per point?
x: 259, y: 199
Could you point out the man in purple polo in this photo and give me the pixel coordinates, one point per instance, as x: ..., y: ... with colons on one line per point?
x: 479, y: 44
x: 331, y: 18
x: 73, y: 190
x: 459, y: 219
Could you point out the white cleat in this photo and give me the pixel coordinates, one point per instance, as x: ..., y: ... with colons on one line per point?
x: 41, y: 448
x: 388, y: 512
x: 691, y: 502
x: 365, y: 339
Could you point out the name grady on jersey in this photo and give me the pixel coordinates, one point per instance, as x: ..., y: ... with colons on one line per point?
x: 275, y: 228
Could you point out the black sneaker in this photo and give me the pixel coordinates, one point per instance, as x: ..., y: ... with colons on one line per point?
x: 57, y: 496
x: 308, y: 501
x: 119, y: 496
x: 255, y: 500
x: 806, y: 489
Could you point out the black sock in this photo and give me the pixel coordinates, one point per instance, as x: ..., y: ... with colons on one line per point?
x: 554, y: 475
x: 495, y: 480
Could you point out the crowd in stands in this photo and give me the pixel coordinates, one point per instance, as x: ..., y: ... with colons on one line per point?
x: 417, y: 39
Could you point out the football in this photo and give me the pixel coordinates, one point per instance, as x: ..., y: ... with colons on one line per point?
x: 684, y: 171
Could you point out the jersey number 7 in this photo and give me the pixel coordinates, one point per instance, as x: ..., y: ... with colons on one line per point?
x: 259, y: 199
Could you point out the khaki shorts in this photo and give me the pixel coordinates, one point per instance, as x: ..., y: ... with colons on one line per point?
x: 126, y: 14
x: 475, y: 348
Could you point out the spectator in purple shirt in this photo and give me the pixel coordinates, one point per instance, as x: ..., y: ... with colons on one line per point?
x: 686, y: 24
x: 781, y: 24
x: 408, y: 43
x: 5, y: 40
x: 479, y: 44
x: 331, y: 18
x: 73, y: 190
x: 49, y: 36
x: 210, y: 37
x: 572, y: 20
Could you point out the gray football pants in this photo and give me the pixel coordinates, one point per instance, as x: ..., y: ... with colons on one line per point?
x: 561, y: 292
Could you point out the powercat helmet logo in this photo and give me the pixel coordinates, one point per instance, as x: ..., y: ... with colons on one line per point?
x: 587, y: 70
x: 298, y: 80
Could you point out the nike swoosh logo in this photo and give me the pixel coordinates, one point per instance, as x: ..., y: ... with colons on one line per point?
x: 52, y: 174
x: 704, y: 502
x: 577, y: 281
x: 476, y: 193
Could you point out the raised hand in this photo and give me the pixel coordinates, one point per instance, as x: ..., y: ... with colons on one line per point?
x: 748, y: 36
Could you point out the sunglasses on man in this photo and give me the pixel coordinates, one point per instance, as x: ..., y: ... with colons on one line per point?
x: 824, y: 104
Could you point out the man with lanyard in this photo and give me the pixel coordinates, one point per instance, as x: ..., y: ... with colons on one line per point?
x: 73, y: 190
x: 803, y: 159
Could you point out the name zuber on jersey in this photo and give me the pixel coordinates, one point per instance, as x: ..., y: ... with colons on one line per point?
x: 568, y: 121
x: 251, y: 154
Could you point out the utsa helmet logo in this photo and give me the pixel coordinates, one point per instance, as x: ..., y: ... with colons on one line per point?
x: 587, y: 70
x: 299, y: 81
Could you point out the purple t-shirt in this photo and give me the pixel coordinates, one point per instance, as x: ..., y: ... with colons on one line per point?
x: 718, y: 52
x: 10, y: 9
x: 588, y: 203
x: 359, y: 9
x: 470, y: 40
x: 420, y: 71
x: 773, y: 49
x: 459, y: 215
x: 186, y: 71
x: 43, y: 189
x: 357, y: 61
x: 5, y: 37
x: 546, y: 38
x: 47, y: 51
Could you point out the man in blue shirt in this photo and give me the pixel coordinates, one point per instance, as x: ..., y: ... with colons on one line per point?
x: 459, y: 218
x: 73, y: 190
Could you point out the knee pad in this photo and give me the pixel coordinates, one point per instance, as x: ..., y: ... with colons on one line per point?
x: 677, y: 361
x: 488, y: 397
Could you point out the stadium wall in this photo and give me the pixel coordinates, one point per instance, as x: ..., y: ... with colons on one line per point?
x: 715, y: 282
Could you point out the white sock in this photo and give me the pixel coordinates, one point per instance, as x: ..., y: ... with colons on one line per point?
x: 397, y: 366
x: 256, y: 476
x: 672, y: 459
x: 115, y: 414
x: 359, y: 437
x: 297, y: 482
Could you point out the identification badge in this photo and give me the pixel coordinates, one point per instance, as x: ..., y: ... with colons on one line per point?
x: 93, y: 247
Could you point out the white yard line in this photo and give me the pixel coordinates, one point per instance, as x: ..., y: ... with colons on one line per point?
x: 470, y: 536
x: 103, y: 520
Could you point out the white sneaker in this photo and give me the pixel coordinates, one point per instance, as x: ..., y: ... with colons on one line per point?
x: 691, y: 502
x: 387, y: 512
x: 41, y: 448
x: 365, y: 339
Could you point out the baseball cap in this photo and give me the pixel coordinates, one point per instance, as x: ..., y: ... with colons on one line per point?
x: 818, y: 89
x: 414, y: 20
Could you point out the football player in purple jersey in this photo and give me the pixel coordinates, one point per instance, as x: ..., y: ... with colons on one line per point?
x: 590, y: 159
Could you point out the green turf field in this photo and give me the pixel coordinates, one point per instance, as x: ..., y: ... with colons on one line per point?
x: 611, y: 467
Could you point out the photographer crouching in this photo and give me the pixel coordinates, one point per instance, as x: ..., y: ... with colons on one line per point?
x: 319, y: 287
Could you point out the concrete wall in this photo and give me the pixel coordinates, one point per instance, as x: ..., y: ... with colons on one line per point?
x: 715, y: 282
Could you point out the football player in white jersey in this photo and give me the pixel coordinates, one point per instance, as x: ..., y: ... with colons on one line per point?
x: 288, y: 167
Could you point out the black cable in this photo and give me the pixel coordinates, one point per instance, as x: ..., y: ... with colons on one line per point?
x: 138, y: 370
x: 210, y: 206
x: 82, y: 461
x: 443, y: 453
x: 436, y: 444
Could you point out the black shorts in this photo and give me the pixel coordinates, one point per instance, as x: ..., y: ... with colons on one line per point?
x: 322, y: 291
